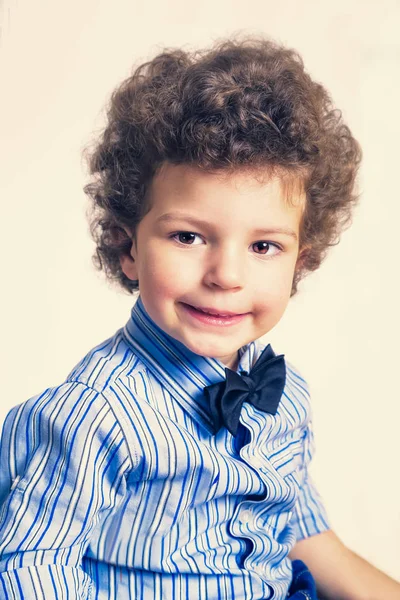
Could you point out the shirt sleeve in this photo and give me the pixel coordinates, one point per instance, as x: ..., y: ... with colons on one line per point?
x: 309, y: 514
x: 63, y: 457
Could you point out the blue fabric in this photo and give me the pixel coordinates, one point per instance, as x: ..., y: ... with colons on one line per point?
x: 303, y: 584
x: 113, y: 486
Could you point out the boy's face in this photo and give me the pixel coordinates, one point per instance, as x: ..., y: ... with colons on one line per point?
x: 225, y: 244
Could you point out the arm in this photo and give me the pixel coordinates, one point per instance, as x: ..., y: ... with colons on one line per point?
x: 340, y: 574
x: 62, y: 459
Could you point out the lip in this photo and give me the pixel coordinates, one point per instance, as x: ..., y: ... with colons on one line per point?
x: 213, y: 311
x: 212, y: 317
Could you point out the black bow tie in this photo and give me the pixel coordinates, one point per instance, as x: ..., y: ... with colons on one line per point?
x: 262, y: 388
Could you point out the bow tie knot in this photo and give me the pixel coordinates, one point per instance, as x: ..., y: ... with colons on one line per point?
x: 251, y: 397
x: 248, y: 381
x: 262, y: 388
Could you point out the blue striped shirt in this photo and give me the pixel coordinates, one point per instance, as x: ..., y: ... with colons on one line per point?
x: 113, y: 486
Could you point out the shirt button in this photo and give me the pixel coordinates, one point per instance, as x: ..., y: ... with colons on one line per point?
x: 245, y: 516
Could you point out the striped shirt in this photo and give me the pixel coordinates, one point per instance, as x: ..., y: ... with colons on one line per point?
x: 113, y: 486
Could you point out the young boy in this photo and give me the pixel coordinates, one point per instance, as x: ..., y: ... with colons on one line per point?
x: 173, y: 460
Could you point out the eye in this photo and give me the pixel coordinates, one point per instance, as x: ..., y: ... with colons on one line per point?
x: 187, y: 238
x: 266, y: 248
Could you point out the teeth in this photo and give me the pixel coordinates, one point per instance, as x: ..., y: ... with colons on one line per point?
x: 212, y: 314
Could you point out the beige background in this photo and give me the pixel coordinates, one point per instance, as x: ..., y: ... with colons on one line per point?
x: 59, y: 63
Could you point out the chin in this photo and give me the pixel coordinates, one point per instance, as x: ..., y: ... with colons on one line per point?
x: 211, y: 350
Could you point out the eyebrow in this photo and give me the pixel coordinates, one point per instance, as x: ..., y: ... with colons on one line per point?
x: 167, y: 217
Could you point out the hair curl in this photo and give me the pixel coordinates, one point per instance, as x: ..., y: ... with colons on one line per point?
x: 243, y: 104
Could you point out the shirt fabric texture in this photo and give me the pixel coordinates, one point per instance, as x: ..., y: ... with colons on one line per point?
x: 113, y: 487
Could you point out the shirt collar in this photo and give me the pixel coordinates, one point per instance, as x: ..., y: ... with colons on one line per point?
x: 181, y: 371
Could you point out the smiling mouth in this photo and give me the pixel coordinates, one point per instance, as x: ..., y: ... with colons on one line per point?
x: 214, y: 312
x: 212, y: 317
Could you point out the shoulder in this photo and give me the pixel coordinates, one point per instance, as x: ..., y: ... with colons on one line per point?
x: 296, y: 380
x: 86, y: 413
x: 82, y: 404
x: 296, y: 395
x: 71, y: 401
x: 109, y: 360
x: 64, y: 426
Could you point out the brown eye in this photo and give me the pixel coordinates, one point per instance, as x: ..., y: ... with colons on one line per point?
x: 186, y: 237
x: 266, y: 248
x: 261, y: 247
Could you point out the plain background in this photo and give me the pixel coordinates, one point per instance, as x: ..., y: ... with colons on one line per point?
x: 59, y: 63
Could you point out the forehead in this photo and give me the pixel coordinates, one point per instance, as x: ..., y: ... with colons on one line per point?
x: 246, y: 195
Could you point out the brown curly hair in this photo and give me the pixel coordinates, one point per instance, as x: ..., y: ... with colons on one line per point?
x: 243, y: 104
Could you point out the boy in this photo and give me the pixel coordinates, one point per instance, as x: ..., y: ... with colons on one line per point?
x: 173, y: 461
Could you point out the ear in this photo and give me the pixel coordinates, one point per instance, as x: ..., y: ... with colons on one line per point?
x: 128, y: 267
x: 127, y: 261
x: 301, y: 256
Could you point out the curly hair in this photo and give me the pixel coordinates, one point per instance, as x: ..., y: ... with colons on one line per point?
x: 242, y: 104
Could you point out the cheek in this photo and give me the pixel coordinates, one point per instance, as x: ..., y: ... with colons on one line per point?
x: 273, y: 290
x: 273, y: 303
x: 165, y: 273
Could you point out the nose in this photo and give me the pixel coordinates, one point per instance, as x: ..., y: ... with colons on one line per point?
x: 225, y: 268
